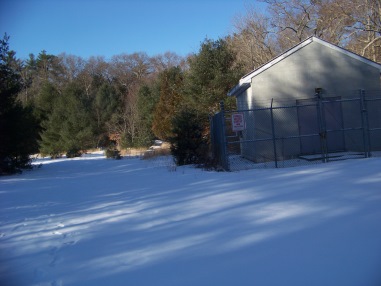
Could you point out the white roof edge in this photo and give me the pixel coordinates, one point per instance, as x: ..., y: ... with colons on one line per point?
x: 247, y: 78
x: 237, y: 87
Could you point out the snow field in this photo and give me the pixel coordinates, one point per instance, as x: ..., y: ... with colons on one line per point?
x: 93, y: 221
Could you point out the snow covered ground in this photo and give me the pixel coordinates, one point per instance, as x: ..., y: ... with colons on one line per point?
x: 94, y: 221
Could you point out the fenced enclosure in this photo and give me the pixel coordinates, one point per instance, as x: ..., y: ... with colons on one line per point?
x: 302, y: 132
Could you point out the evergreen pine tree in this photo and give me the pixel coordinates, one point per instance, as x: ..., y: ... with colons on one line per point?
x: 171, y: 84
x: 212, y: 72
x: 18, y: 127
x: 147, y: 99
x: 69, y: 128
x: 106, y: 103
x: 45, y: 101
x: 189, y: 143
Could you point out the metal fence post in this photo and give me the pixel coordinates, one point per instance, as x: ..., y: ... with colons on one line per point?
x: 273, y: 133
x: 322, y: 128
x: 365, y: 124
x: 212, y: 136
x: 225, y: 155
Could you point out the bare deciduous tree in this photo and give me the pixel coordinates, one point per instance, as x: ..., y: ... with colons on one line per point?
x: 293, y: 20
x: 366, y: 40
x: 253, y: 42
x: 353, y: 24
x: 167, y: 60
x: 130, y: 68
x: 95, y: 68
x: 72, y: 66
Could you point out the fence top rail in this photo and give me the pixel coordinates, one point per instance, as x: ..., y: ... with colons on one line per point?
x: 342, y: 100
x: 269, y: 108
x: 300, y: 105
x: 372, y: 99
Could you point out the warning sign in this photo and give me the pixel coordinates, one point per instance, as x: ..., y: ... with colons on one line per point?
x: 238, y: 122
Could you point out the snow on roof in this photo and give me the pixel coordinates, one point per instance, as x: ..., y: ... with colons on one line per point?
x: 247, y: 78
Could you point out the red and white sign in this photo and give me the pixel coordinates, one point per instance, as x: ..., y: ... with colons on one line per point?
x: 238, y: 122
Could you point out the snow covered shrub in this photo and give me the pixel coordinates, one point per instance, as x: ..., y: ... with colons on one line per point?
x: 73, y: 152
x: 113, y: 154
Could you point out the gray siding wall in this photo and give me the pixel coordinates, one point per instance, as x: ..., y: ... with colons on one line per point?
x: 315, y: 65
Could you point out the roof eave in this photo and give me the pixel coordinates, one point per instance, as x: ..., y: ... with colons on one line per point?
x: 238, y: 89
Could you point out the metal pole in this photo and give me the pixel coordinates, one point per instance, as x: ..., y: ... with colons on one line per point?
x: 273, y: 132
x: 365, y: 124
x: 322, y: 131
x: 212, y: 136
x: 225, y: 160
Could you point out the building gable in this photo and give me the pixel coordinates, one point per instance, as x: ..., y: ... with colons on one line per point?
x: 246, y: 79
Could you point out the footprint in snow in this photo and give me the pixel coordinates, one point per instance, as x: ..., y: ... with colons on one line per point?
x: 54, y: 252
x: 56, y: 259
x: 70, y: 242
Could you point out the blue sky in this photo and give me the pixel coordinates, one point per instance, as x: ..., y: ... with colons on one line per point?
x: 109, y: 27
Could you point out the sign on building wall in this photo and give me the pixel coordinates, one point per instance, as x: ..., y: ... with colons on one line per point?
x: 238, y: 122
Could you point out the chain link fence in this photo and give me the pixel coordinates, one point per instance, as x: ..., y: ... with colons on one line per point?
x: 302, y: 132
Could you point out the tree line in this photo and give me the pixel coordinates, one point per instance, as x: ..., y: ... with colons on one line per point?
x: 127, y: 101
x: 64, y: 104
